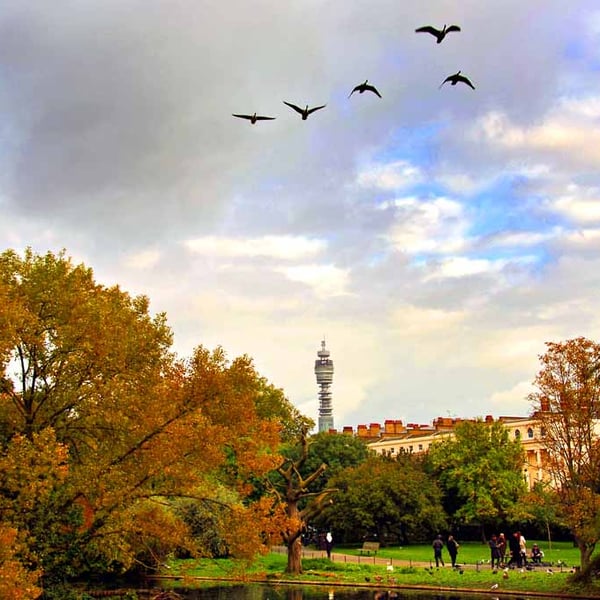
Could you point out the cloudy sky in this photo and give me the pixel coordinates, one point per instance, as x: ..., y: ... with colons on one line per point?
x: 437, y: 238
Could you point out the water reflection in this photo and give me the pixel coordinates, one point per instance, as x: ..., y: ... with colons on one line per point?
x: 284, y: 592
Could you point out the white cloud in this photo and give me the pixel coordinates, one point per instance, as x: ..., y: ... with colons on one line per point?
x: 569, y: 131
x: 461, y: 266
x: 325, y: 280
x: 142, y: 260
x: 284, y: 247
x: 432, y: 226
x: 391, y: 176
x: 583, y: 237
x: 521, y: 239
x: 581, y: 205
x: 510, y: 402
x: 413, y: 320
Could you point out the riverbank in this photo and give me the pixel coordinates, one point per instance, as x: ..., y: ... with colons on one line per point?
x: 379, y: 575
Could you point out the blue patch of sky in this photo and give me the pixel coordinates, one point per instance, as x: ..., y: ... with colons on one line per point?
x: 574, y: 50
x: 415, y: 145
x: 577, y: 51
x: 506, y: 205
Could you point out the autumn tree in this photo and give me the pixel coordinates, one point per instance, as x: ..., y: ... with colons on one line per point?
x: 292, y: 491
x: 90, y: 388
x: 480, y: 472
x: 567, y: 406
x: 389, y: 498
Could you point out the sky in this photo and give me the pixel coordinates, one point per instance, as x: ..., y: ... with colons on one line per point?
x: 436, y: 238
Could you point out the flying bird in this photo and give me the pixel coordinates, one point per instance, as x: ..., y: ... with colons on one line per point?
x: 439, y: 34
x: 304, y: 111
x: 365, y: 87
x: 456, y: 78
x: 253, y: 118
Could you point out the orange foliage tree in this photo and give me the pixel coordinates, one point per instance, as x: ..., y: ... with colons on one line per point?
x: 129, y: 426
x: 567, y: 406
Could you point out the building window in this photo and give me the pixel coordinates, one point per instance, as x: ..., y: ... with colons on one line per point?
x: 530, y: 433
x: 410, y: 448
x: 392, y: 450
x: 420, y: 447
x: 517, y: 434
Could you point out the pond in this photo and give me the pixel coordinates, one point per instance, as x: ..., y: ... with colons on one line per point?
x: 287, y: 592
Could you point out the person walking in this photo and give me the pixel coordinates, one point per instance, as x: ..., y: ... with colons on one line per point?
x: 495, y: 555
x: 502, y: 549
x: 522, y: 549
x: 453, y: 547
x: 328, y: 544
x: 515, y: 550
x: 438, y: 545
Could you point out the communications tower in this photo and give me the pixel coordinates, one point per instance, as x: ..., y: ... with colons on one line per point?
x: 324, y: 373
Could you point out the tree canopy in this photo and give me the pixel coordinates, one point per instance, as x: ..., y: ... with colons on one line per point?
x: 102, y: 426
x: 567, y: 405
x: 479, y: 469
x: 388, y: 499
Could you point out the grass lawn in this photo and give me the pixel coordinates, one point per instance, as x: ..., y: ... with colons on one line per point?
x: 470, y: 553
x: 270, y: 568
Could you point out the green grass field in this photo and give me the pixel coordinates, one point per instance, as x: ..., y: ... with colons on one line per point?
x: 271, y: 568
x: 471, y: 552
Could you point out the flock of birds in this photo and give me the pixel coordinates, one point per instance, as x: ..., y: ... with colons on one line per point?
x: 390, y: 594
x: 439, y: 35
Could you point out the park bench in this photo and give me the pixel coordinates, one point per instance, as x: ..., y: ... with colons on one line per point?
x: 369, y: 548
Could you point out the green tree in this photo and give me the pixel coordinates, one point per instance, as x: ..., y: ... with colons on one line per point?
x: 336, y: 451
x: 272, y: 404
x: 567, y: 405
x: 387, y: 498
x: 480, y: 472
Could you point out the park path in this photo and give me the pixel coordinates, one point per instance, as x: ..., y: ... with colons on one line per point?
x: 371, y: 559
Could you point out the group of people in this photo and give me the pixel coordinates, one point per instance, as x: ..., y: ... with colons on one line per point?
x: 452, y: 545
x: 515, y: 549
x: 518, y: 551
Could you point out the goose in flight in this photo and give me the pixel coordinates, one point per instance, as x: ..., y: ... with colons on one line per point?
x: 365, y: 87
x: 253, y: 118
x: 454, y: 79
x: 439, y: 34
x: 304, y: 111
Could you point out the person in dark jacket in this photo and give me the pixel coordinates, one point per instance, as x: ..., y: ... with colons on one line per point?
x: 494, y: 553
x: 438, y: 544
x: 515, y: 550
x: 501, y: 543
x: 452, y: 546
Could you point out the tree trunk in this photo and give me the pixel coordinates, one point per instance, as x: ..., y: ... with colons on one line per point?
x: 294, y: 556
x: 585, y: 553
x: 549, y: 535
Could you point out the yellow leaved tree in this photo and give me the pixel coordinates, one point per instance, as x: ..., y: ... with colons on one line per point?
x: 92, y: 394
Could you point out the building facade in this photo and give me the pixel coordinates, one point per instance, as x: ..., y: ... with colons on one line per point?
x: 394, y: 437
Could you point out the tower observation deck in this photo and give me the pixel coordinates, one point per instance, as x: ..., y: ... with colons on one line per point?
x: 324, y: 373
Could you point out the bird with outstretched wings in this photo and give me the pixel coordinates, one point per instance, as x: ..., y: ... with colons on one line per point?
x: 365, y: 87
x: 253, y: 118
x: 457, y: 78
x: 304, y: 111
x: 439, y: 34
